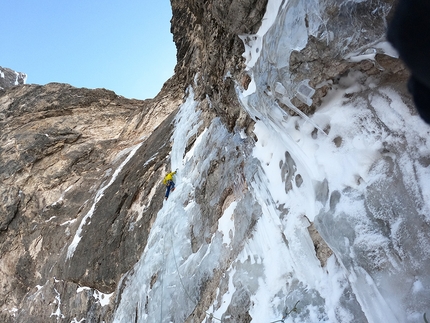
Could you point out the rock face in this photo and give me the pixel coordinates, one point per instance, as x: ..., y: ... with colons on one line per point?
x: 211, y: 50
x: 84, y: 233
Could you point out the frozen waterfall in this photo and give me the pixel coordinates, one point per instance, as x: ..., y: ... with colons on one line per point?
x: 362, y: 179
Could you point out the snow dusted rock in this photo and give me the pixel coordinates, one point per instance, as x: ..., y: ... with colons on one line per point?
x: 9, y: 78
x: 302, y: 187
x: 209, y: 51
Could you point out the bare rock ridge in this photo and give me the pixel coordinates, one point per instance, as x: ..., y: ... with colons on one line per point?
x: 80, y: 169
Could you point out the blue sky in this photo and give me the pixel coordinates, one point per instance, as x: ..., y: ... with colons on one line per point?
x: 121, y: 45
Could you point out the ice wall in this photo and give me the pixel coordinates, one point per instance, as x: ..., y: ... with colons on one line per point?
x: 363, y: 180
x: 166, y: 284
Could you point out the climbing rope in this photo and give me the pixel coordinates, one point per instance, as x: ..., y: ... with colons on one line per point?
x: 210, y: 315
x: 162, y: 282
x: 177, y: 270
x: 294, y: 309
x: 195, y: 302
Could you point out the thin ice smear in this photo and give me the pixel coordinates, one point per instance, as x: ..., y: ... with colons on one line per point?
x: 77, y: 238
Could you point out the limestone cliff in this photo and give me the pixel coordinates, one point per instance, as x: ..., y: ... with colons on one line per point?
x: 59, y: 145
x: 84, y: 233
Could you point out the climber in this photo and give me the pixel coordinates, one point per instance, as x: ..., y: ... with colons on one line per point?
x: 170, y: 184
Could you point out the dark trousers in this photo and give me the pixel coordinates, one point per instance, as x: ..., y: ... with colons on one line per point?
x: 169, y: 187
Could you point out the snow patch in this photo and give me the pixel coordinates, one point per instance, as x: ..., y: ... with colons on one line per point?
x: 57, y: 301
x: 103, y: 299
x: 226, y: 223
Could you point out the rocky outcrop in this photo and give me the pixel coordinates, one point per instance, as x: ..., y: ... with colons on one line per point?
x: 9, y: 78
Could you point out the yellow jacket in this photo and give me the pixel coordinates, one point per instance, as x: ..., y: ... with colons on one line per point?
x: 168, y: 177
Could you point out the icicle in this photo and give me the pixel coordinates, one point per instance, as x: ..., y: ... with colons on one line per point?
x: 305, y: 92
x: 280, y: 94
